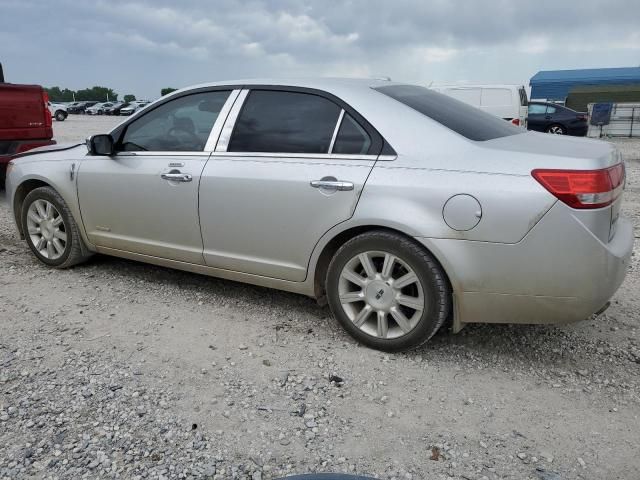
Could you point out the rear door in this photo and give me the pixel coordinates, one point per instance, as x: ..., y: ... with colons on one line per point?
x: 524, y: 102
x: 291, y: 167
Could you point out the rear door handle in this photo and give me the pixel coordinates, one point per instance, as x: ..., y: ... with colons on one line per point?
x: 332, y: 185
x: 176, y: 177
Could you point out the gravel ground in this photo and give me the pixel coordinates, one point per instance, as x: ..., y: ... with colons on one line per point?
x: 116, y: 369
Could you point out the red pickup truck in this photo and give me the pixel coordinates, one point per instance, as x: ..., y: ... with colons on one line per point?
x: 25, y: 120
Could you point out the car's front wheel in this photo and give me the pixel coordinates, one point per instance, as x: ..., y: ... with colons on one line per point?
x: 61, y: 116
x: 387, y: 291
x: 50, y: 230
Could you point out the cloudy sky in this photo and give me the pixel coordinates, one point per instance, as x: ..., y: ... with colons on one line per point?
x: 140, y: 46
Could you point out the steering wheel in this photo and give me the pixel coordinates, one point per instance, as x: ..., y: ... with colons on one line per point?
x: 173, y: 130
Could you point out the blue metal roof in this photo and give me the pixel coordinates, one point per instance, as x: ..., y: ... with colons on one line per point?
x: 555, y: 84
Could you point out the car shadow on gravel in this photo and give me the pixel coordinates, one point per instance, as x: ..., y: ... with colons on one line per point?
x: 546, y: 345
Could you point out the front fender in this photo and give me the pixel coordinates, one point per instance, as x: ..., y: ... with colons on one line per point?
x: 58, y: 174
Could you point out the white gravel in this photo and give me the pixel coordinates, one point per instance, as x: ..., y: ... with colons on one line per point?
x: 116, y: 369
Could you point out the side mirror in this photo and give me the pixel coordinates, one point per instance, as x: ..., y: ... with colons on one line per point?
x: 100, y: 145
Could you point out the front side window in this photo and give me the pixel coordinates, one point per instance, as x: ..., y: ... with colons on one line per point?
x: 351, y: 138
x: 180, y: 125
x: 284, y: 122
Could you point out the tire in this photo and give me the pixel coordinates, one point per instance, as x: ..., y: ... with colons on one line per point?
x: 385, y: 293
x: 73, y: 249
x: 61, y: 116
x: 556, y: 129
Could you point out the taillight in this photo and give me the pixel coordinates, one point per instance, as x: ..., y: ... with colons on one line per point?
x: 583, y: 188
x: 516, y: 121
x: 581, y: 116
x: 47, y: 114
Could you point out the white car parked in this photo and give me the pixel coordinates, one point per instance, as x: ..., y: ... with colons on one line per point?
x: 58, y: 111
x: 505, y: 101
x: 134, y: 107
x: 98, y: 108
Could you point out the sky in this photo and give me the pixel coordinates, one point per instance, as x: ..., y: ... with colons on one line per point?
x: 141, y: 46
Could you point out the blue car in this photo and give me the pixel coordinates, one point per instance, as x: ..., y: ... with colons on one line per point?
x: 556, y: 119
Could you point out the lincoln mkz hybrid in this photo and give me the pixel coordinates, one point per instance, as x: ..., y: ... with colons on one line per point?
x: 401, y: 208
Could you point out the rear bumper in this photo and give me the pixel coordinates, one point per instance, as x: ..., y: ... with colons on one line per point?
x: 578, y: 130
x: 559, y: 273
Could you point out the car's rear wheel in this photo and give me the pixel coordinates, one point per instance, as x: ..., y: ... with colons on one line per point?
x: 50, y: 230
x: 556, y: 130
x: 387, y: 291
x: 61, y: 116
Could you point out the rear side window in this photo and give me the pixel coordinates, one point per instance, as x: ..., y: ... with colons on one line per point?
x: 551, y: 109
x: 351, y: 138
x: 284, y: 122
x: 463, y: 119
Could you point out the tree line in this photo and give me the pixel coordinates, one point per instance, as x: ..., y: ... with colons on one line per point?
x: 57, y: 94
x: 101, y: 94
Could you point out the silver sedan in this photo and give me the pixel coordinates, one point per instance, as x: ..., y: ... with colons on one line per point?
x: 401, y: 208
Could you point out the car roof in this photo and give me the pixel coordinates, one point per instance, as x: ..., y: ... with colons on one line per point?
x: 319, y: 83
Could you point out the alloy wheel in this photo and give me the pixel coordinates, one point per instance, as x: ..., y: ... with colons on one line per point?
x: 46, y: 229
x: 556, y: 130
x: 381, y: 294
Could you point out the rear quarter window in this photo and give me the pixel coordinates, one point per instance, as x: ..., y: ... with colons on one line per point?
x: 463, y: 119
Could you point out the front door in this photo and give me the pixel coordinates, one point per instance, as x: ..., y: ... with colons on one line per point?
x: 144, y: 199
x: 294, y: 167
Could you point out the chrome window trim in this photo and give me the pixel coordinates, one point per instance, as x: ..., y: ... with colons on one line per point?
x: 227, y: 129
x: 147, y: 153
x: 210, y: 146
x: 335, y: 131
x: 275, y: 155
x: 230, y: 122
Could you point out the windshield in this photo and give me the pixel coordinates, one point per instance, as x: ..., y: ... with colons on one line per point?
x: 464, y: 119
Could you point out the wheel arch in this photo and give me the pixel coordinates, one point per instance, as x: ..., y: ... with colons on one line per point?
x: 338, y: 239
x: 20, y: 194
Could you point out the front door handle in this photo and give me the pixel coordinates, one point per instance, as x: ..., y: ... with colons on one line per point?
x: 332, y: 185
x: 176, y: 177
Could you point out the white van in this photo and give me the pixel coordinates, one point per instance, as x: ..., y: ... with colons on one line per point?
x: 505, y: 101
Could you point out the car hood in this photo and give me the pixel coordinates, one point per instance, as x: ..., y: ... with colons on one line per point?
x: 67, y: 151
